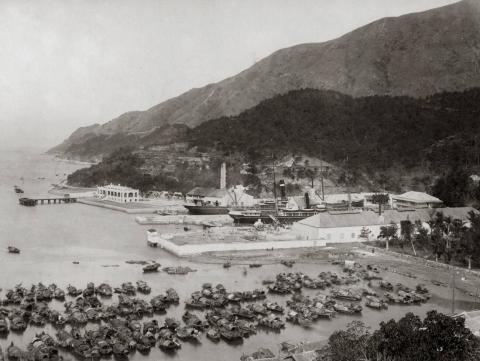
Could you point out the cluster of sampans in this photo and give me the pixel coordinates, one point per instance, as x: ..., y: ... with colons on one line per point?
x: 179, y: 270
x: 42, y: 347
x: 227, y: 315
x: 22, y: 307
x: 210, y: 297
x: 404, y: 294
x: 122, y: 336
x: 286, y: 283
x: 229, y: 318
x: 304, y: 309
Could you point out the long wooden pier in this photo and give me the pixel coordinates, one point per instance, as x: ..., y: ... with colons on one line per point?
x: 33, y: 201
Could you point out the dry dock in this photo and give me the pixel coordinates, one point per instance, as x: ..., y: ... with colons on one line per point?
x: 230, y: 240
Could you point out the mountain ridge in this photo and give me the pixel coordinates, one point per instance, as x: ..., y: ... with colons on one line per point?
x: 416, y: 54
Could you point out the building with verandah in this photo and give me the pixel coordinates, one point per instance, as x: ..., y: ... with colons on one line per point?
x: 118, y: 193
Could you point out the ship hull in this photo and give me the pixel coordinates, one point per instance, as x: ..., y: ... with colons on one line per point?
x: 251, y: 219
x: 207, y: 210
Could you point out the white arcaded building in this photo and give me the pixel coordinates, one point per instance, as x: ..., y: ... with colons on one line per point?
x: 118, y: 193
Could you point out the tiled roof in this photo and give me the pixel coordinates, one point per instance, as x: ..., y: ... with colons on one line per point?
x: 342, y: 219
x: 417, y: 197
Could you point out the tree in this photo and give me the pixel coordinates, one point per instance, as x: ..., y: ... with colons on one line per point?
x: 288, y: 172
x: 311, y: 174
x: 406, y: 230
x: 251, y: 179
x: 455, y: 188
x: 380, y: 199
x: 455, y: 237
x: 437, y: 338
x: 438, y: 235
x: 449, y: 238
x: 470, y: 239
x: 437, y: 243
x: 388, y: 233
x: 445, y: 338
x: 351, y: 344
x: 421, y: 235
x: 396, y: 340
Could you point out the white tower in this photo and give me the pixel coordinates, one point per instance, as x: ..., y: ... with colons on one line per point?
x: 223, y: 176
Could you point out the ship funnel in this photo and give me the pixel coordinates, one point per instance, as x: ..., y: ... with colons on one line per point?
x: 283, y: 192
x: 307, y: 200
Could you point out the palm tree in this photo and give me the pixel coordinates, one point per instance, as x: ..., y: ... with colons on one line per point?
x: 407, y: 228
x: 470, y: 237
x: 438, y: 234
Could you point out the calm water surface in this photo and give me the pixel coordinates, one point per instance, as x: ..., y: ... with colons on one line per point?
x: 51, y: 237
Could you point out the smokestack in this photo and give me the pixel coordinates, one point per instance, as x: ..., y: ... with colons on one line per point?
x: 307, y: 200
x: 283, y: 192
x: 223, y: 176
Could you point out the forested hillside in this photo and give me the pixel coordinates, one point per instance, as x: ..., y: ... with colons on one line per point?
x: 395, y: 143
x: 367, y: 134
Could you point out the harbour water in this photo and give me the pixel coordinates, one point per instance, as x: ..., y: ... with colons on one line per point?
x: 52, y: 237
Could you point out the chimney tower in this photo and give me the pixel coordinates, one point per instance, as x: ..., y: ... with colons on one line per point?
x: 223, y: 176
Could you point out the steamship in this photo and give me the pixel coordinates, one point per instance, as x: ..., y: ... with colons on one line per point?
x: 203, y: 207
x: 267, y: 212
x: 206, y: 208
x: 283, y: 215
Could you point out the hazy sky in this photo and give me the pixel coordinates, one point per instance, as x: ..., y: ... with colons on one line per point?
x: 66, y: 63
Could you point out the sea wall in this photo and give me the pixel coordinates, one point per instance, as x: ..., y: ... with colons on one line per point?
x: 117, y: 208
x: 184, y: 219
x: 193, y: 249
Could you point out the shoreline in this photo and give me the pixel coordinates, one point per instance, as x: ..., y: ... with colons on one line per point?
x: 68, y: 160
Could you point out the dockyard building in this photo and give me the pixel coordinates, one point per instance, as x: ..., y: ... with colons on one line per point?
x: 118, y: 193
x: 416, y: 200
x: 354, y: 200
x: 355, y: 225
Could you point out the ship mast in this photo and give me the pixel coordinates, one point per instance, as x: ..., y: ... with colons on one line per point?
x: 321, y: 174
x: 453, y: 292
x: 274, y: 186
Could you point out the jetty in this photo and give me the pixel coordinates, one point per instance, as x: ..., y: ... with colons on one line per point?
x: 33, y: 201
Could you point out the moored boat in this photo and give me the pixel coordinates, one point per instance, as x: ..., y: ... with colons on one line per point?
x: 152, y: 237
x: 375, y: 302
x: 206, y: 209
x: 213, y: 334
x: 151, y: 267
x: 346, y: 294
x: 12, y: 249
